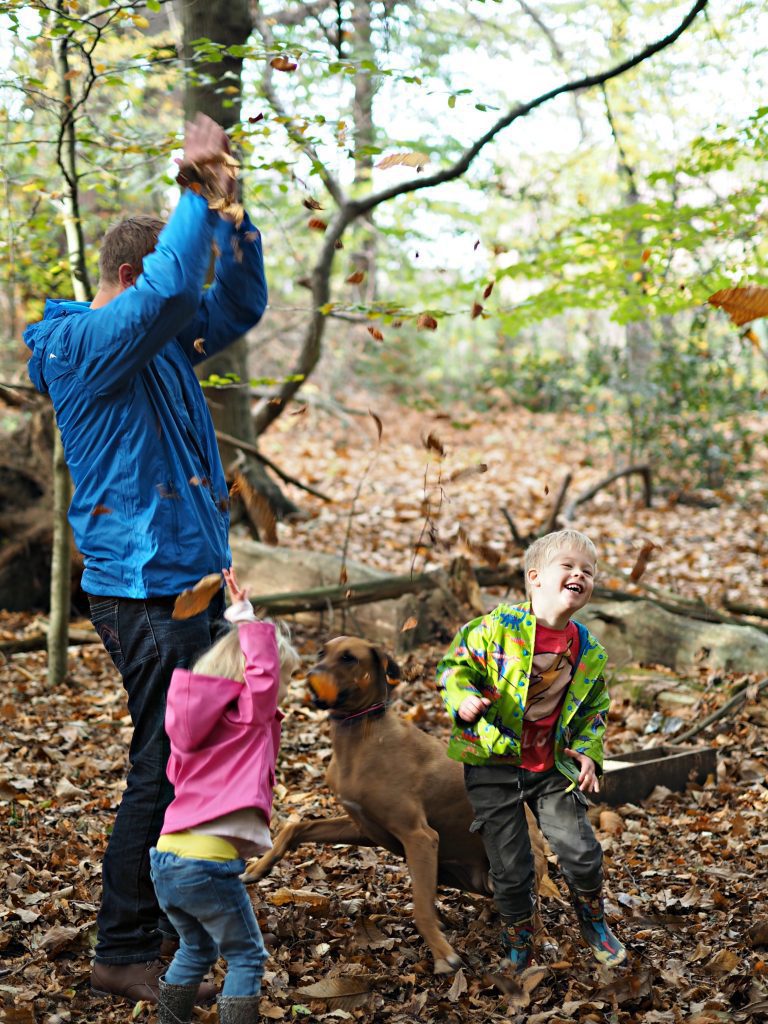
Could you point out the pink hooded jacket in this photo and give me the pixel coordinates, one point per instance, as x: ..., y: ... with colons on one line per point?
x: 224, y: 736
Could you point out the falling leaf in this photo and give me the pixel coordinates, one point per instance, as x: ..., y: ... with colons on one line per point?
x: 311, y: 204
x: 255, y: 118
x: 427, y: 322
x: 433, y: 443
x: 300, y: 411
x: 752, y: 337
x: 488, y: 289
x: 316, y: 224
x: 646, y: 255
x: 199, y: 346
x: 466, y: 471
x: 410, y: 623
x: 742, y: 304
x: 476, y: 245
x: 192, y: 602
x: 283, y: 64
x: 101, y: 510
x: 357, y: 277
x: 641, y: 564
x: 377, y: 420
x: 477, y: 309
x: 375, y: 333
x: 338, y: 244
x: 258, y: 507
x: 343, y: 577
x: 408, y: 159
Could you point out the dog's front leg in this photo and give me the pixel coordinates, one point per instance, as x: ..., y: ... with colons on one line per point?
x: 420, y: 844
x: 318, y: 830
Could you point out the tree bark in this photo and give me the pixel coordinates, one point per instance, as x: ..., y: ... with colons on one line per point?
x: 229, y: 23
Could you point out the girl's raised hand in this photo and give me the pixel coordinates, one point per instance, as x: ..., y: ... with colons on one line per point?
x: 236, y: 592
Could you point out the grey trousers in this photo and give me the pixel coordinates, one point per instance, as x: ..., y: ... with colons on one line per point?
x: 498, y: 794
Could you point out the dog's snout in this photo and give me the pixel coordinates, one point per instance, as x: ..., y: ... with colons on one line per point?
x: 323, y: 686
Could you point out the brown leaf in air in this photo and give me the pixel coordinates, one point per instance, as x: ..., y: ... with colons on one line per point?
x: 410, y: 623
x: 646, y: 255
x: 427, y: 322
x: 417, y: 160
x: 192, y: 602
x: 433, y: 443
x: 377, y: 420
x: 311, y: 204
x: 742, y: 304
x: 343, y: 576
x: 316, y: 224
x: 641, y: 564
x: 258, y: 507
x: 199, y: 346
x: 255, y: 119
x: 462, y: 474
x: 357, y: 277
x: 488, y: 289
x: 375, y: 333
x: 477, y: 309
x: 300, y: 411
x: 101, y: 510
x: 338, y: 244
x: 283, y: 64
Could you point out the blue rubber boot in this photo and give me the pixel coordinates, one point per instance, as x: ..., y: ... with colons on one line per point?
x: 517, y: 939
x: 590, y: 910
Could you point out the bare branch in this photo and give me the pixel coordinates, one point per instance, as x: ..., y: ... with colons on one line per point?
x: 362, y: 206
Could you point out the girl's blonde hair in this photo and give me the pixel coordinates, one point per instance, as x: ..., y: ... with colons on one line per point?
x: 226, y: 658
x: 543, y: 550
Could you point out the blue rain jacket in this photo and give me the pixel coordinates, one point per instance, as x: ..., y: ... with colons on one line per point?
x: 150, y: 511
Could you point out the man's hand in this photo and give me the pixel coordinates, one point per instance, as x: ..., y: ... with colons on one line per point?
x: 472, y: 708
x: 207, y: 150
x: 588, y: 782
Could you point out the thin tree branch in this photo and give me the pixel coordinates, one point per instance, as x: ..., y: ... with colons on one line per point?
x: 361, y: 206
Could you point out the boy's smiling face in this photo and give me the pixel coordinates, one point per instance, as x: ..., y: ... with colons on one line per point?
x: 562, y: 586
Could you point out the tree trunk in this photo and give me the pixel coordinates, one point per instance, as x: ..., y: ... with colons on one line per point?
x: 229, y: 23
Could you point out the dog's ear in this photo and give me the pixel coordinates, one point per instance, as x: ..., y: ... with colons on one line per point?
x: 391, y: 670
x: 388, y: 666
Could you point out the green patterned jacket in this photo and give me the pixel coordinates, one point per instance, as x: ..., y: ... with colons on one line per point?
x: 491, y: 657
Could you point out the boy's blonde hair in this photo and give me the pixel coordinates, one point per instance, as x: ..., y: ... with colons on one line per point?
x: 226, y: 657
x: 543, y: 549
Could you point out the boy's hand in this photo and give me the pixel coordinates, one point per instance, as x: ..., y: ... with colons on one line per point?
x: 236, y: 592
x: 472, y: 708
x: 588, y: 781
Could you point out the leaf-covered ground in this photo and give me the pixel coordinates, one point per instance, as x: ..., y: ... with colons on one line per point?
x: 686, y: 871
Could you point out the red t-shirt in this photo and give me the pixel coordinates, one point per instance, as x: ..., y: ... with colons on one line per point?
x: 554, y: 658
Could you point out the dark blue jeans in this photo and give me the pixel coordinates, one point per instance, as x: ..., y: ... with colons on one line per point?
x: 212, y: 912
x: 145, y: 644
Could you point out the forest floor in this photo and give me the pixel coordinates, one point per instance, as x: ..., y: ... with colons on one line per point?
x: 686, y: 871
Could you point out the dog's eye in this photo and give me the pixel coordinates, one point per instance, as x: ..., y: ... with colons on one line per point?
x: 349, y: 658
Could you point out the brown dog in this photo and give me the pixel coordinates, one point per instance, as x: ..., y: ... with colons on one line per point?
x: 398, y: 787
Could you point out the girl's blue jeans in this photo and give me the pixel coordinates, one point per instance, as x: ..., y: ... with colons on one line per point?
x: 209, y: 907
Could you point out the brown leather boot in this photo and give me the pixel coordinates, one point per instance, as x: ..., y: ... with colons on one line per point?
x: 139, y: 981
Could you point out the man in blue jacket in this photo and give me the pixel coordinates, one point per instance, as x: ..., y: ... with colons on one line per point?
x: 150, y: 509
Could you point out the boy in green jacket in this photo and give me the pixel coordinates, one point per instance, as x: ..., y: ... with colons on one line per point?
x: 525, y: 689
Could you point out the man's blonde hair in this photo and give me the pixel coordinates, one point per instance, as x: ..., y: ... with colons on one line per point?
x: 226, y: 657
x: 543, y: 549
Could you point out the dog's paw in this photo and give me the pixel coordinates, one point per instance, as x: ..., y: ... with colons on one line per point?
x: 447, y: 964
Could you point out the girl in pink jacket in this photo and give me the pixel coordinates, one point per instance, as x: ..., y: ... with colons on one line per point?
x: 223, y: 722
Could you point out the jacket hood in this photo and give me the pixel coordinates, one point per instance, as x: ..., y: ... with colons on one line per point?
x: 36, y: 336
